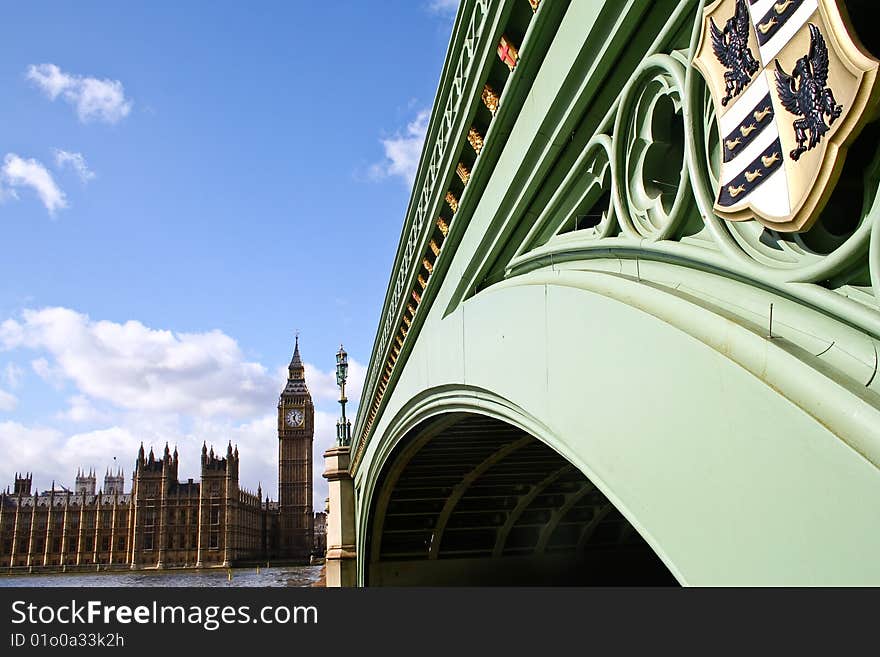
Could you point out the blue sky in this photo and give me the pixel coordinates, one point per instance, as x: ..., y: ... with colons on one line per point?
x: 182, y: 186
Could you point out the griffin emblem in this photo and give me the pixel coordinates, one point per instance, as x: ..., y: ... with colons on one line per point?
x: 805, y: 93
x: 732, y: 50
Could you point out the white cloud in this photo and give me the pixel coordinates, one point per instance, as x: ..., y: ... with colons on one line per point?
x: 18, y: 172
x: 93, y: 99
x: 403, y: 150
x: 8, y: 401
x: 134, y: 383
x: 27, y: 449
x: 51, y: 375
x: 52, y: 455
x: 323, y: 386
x: 81, y: 409
x: 444, y: 6
x: 12, y: 375
x: 135, y: 367
x: 76, y: 161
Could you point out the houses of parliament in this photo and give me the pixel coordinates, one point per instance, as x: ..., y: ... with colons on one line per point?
x: 163, y: 522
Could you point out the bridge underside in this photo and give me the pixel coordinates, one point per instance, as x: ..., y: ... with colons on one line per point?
x: 473, y: 500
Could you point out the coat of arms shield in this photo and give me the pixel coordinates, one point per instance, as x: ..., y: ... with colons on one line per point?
x: 792, y: 88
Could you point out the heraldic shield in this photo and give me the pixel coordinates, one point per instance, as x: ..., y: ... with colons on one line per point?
x: 792, y: 88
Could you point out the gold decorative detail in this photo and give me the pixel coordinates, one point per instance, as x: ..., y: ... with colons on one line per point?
x: 434, y: 248
x: 535, y: 3
x: 408, y: 322
x: 412, y: 311
x: 443, y: 226
x: 428, y: 265
x: 416, y: 296
x: 769, y: 25
x: 760, y: 116
x: 396, y: 352
x: 745, y: 131
x: 476, y: 140
x: 731, y: 144
x: 404, y: 330
x: 490, y: 98
x: 780, y: 7
x: 463, y: 172
x: 736, y: 191
x: 507, y: 52
x: 752, y: 176
x: 770, y: 161
x: 398, y: 340
x: 422, y: 281
x: 452, y: 201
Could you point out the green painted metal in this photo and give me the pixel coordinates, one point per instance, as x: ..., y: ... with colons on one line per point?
x: 718, y: 384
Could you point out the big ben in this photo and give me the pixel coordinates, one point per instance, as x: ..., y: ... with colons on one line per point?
x: 296, y: 430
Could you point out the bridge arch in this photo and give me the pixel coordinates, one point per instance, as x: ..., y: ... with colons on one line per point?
x: 716, y: 381
x: 469, y: 495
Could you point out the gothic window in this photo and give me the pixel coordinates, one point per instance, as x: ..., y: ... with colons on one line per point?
x: 105, y: 544
x: 215, y: 540
x: 56, y: 545
x: 148, y: 541
x: 215, y: 488
x: 121, y: 544
x: 149, y: 517
x: 215, y: 515
x: 89, y: 544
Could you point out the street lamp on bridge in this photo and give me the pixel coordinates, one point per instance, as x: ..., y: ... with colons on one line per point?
x: 343, y: 426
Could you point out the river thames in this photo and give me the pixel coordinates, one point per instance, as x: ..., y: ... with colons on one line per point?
x: 237, y: 577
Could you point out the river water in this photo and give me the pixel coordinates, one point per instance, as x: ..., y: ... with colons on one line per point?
x: 282, y: 576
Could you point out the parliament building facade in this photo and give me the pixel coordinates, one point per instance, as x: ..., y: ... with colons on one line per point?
x: 165, y: 523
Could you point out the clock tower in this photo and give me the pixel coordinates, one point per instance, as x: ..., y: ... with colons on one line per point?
x: 296, y: 430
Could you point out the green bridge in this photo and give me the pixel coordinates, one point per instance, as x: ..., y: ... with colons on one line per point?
x: 582, y: 373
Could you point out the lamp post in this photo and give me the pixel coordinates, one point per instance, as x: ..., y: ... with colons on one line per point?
x: 343, y: 426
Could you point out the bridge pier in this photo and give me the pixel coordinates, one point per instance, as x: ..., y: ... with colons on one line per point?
x: 341, y: 557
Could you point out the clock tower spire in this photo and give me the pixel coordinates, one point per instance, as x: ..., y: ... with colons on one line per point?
x: 296, y: 429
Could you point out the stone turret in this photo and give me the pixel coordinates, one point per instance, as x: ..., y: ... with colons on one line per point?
x: 114, y: 483
x: 23, y: 483
x: 85, y: 482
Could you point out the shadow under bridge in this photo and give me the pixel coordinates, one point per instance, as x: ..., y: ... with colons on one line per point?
x: 467, y: 499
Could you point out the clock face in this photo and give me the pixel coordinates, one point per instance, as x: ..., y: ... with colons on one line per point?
x: 294, y: 418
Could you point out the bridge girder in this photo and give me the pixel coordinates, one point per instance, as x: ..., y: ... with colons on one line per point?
x: 715, y: 381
